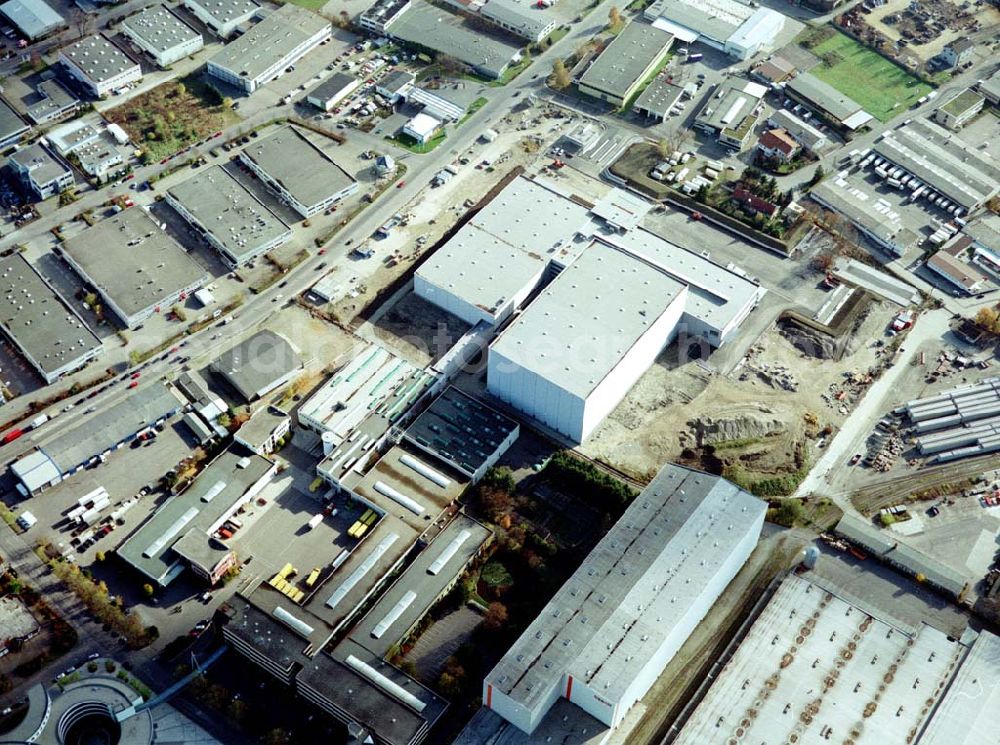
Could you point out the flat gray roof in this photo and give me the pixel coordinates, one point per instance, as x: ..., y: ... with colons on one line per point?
x: 658, y: 97
x: 528, y: 19
x: 730, y: 103
x: 189, y: 515
x: 108, y: 427
x: 132, y: 261
x: 804, y: 623
x: 302, y: 168
x: 714, y: 19
x: 229, y: 212
x: 824, y: 96
x: 626, y: 58
x: 332, y: 86
x: 34, y: 18
x: 11, y: 123
x: 260, y: 425
x: 803, y: 132
x: 98, y: 58
x: 854, y: 200
x: 54, y: 99
x: 967, y: 713
x: 417, y: 588
x: 43, y: 165
x: 441, y: 31
x: 225, y: 11
x: 334, y: 679
x: 944, y: 161
x: 34, y: 314
x: 460, y: 429
x: 159, y: 28
x: 605, y: 297
x: 643, y: 576
x: 257, y: 362
x: 270, y: 41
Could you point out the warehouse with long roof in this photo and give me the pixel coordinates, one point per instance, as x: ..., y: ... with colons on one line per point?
x: 607, y: 634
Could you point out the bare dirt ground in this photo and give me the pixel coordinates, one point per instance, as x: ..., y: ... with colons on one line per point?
x: 419, y: 331
x: 749, y: 412
x: 986, y: 15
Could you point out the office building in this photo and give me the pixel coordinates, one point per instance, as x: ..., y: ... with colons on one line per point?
x: 731, y: 112
x: 959, y: 110
x: 54, y: 102
x: 40, y: 171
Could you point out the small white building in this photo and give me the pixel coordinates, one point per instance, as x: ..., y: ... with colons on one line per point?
x: 162, y: 35
x: 422, y: 127
x: 223, y: 16
x: 99, y: 65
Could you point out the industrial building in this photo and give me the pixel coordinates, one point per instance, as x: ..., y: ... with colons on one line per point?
x: 182, y: 533
x: 885, y: 547
x: 658, y: 99
x: 258, y: 365
x: 958, y: 423
x: 12, y: 126
x: 54, y: 102
x: 565, y: 361
x: 523, y: 20
x: 298, y: 171
x: 332, y: 91
x: 959, y: 110
x: 42, y: 325
x: 817, y: 663
x: 822, y: 98
x: 88, y: 443
x: 262, y: 53
x: 960, y: 275
x: 731, y: 112
x: 368, y: 380
x: 223, y: 17
x: 985, y: 235
x: 947, y: 165
x: 237, y: 224
x: 40, y: 171
x: 33, y: 18
x: 136, y: 268
x: 872, y: 215
x: 990, y: 88
x: 162, y: 35
x: 99, y: 66
x: 429, y: 27
x: 626, y: 63
x: 808, y: 136
x: 609, y: 631
x: 463, y: 432
x: 741, y: 30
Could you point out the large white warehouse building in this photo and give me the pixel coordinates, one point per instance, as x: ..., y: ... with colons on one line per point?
x: 608, y: 633
x: 589, y: 335
x: 739, y: 29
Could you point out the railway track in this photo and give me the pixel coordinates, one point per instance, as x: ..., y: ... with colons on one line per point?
x: 870, y: 499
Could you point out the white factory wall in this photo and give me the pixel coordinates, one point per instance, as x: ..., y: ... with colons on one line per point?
x: 535, y: 395
x: 251, y: 84
x: 643, y: 353
x: 469, y: 312
x: 682, y: 629
x: 519, y: 715
x: 101, y: 88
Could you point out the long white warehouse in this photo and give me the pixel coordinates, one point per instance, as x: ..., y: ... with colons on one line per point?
x: 608, y: 633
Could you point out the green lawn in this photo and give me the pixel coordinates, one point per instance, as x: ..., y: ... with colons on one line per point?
x: 882, y: 88
x: 405, y: 141
x: 314, y: 5
x: 473, y: 108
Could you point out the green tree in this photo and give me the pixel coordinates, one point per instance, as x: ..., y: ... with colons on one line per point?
x: 560, y: 75
x: 147, y: 590
x: 818, y: 175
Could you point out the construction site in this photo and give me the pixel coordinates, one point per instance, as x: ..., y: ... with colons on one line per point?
x: 767, y: 419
